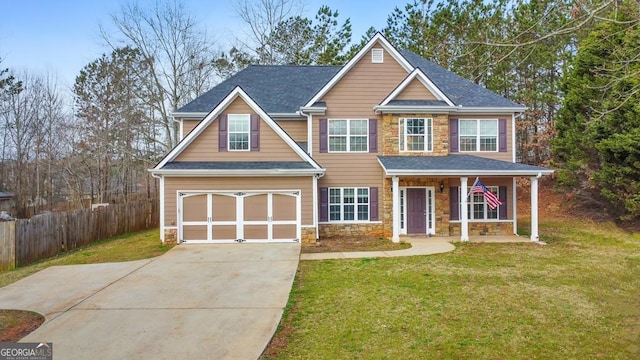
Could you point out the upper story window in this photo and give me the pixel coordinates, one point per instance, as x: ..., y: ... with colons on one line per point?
x: 478, y: 135
x: 416, y: 134
x: 348, y: 135
x: 238, y: 132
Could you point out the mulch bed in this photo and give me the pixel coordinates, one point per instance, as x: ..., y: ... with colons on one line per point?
x: 16, y: 324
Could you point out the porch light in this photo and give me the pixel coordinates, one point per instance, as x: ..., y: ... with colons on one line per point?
x: 441, y: 187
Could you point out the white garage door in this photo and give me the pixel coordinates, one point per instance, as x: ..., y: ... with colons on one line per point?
x: 239, y: 216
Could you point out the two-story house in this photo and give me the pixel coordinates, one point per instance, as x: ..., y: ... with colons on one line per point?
x: 388, y: 144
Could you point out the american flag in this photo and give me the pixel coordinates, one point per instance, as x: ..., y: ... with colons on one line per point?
x: 492, y: 200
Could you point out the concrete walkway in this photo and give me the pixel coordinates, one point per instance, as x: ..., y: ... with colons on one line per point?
x: 194, y: 302
x: 419, y: 246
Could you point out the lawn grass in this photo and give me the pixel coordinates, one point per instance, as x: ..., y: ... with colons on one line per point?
x: 126, y: 247
x: 576, y: 298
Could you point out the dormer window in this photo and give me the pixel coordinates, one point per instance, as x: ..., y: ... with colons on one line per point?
x: 377, y: 56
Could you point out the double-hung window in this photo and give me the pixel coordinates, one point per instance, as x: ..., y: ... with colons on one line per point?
x: 348, y: 204
x: 348, y: 135
x: 477, y: 207
x: 238, y: 132
x: 478, y: 135
x: 416, y: 134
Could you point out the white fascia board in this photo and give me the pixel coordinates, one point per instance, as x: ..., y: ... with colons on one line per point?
x: 318, y: 110
x: 395, y: 109
x: 467, y: 172
x: 413, y: 109
x: 425, y: 81
x: 378, y: 37
x: 240, y: 172
x: 235, y: 93
x: 286, y: 116
x: 189, y: 115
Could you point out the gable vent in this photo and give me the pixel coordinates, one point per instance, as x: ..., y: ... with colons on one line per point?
x: 377, y: 56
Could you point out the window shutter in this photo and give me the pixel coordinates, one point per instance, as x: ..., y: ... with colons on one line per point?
x: 453, y: 203
x: 222, y: 132
x: 255, y: 132
x: 324, y: 204
x: 373, y: 135
x: 453, y: 135
x: 502, y: 135
x: 324, y: 138
x: 373, y: 204
x: 502, y: 194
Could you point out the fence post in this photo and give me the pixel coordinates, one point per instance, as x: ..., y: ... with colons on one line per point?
x: 7, y: 245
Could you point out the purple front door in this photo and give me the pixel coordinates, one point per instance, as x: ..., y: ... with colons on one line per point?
x: 416, y: 211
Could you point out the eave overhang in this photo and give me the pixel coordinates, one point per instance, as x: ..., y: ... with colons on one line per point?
x: 236, y: 173
x: 400, y: 109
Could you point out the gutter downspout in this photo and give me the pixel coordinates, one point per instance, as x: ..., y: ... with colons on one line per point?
x: 161, y: 178
x: 315, y: 204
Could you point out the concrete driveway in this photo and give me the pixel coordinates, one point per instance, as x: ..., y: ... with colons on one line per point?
x: 194, y: 302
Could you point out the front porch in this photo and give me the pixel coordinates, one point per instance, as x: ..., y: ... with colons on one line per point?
x: 431, y: 196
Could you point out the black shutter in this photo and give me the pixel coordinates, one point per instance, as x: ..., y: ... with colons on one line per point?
x: 453, y: 135
x: 373, y: 135
x: 502, y: 194
x: 222, y: 132
x: 324, y: 138
x: 373, y: 204
x: 324, y: 204
x: 453, y: 203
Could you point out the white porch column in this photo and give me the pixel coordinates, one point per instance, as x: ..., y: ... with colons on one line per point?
x: 514, y: 200
x: 395, y: 204
x: 534, y: 209
x: 464, y: 214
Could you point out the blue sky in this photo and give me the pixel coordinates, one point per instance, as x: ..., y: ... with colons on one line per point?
x: 59, y: 37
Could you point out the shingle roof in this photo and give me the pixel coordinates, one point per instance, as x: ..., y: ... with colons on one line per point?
x: 417, y: 103
x: 452, y: 163
x: 236, y: 165
x: 276, y: 88
x: 284, y: 88
x: 458, y: 89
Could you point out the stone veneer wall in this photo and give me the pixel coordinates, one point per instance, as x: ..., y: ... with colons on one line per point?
x: 390, y: 136
x: 329, y: 230
x: 483, y: 228
x: 170, y: 236
x: 441, y: 202
x: 308, y: 235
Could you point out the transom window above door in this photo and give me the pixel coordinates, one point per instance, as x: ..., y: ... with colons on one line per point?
x: 348, y: 135
x: 238, y: 132
x: 479, y: 135
x: 415, y: 134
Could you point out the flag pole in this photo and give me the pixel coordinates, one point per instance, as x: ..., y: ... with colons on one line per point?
x: 472, y: 186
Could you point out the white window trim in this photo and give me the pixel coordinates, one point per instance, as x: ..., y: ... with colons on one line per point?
x: 348, y: 136
x: 342, y: 204
x: 478, y: 136
x: 246, y: 117
x: 470, y: 203
x: 428, y: 140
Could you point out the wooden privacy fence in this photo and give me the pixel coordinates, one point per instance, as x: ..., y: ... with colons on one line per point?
x: 25, y: 241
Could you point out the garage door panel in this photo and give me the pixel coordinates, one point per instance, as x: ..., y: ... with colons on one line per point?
x: 194, y: 232
x: 195, y: 207
x: 256, y: 232
x: 223, y: 208
x: 284, y: 207
x: 256, y: 207
x: 285, y: 231
x: 224, y: 232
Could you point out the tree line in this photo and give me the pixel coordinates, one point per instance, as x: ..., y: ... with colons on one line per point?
x: 574, y: 64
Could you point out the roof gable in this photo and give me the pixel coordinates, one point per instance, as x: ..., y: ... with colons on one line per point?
x: 417, y: 76
x: 378, y: 38
x: 236, y: 93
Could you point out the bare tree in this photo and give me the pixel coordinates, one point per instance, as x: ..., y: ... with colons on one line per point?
x: 178, y: 51
x: 262, y: 17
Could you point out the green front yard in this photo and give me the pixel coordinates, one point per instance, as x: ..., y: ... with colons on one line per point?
x: 576, y: 298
